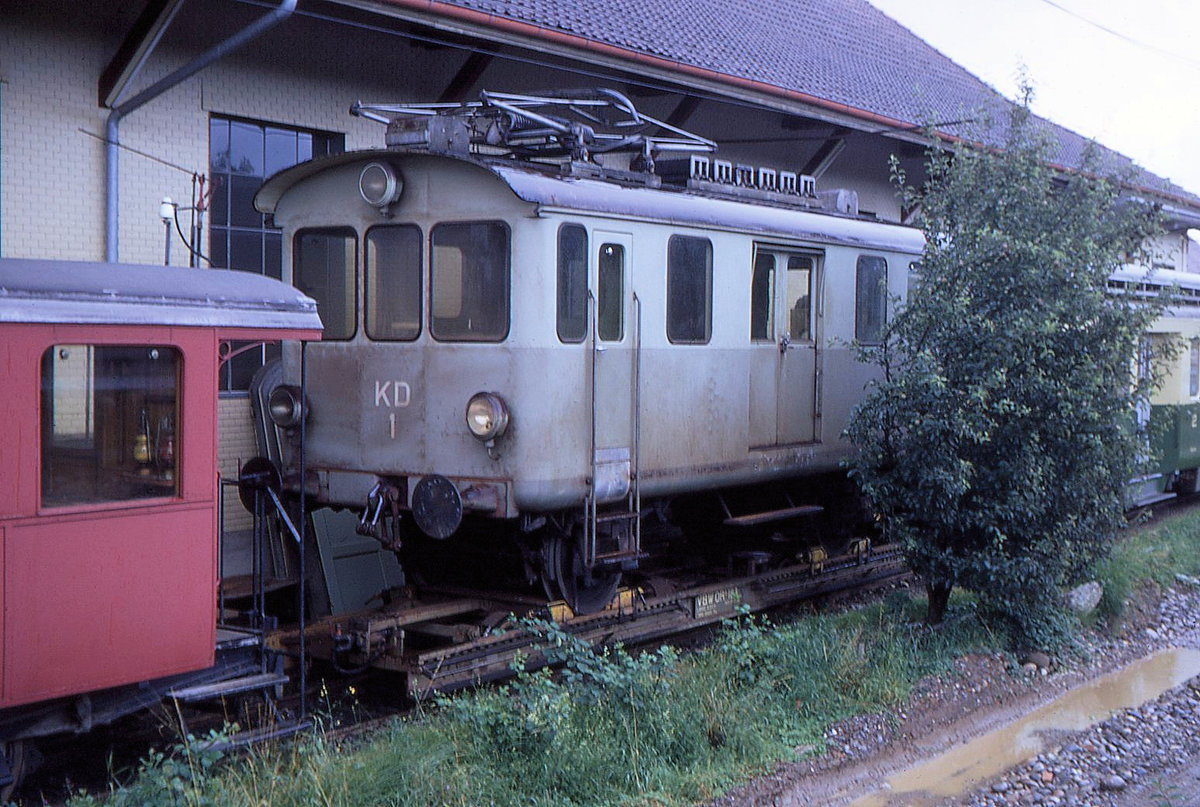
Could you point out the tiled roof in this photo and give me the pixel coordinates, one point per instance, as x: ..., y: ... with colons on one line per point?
x: 845, y: 52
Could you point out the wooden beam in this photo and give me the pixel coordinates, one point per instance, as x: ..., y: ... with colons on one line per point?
x: 466, y: 77
x: 138, y: 42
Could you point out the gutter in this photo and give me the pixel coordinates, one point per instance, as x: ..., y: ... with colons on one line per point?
x: 112, y: 141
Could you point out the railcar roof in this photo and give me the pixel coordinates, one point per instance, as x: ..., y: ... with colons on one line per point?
x: 554, y: 192
x: 42, y: 291
x: 679, y: 207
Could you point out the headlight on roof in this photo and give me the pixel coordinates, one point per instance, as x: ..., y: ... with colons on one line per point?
x: 487, y: 416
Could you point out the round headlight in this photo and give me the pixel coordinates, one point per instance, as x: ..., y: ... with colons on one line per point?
x: 487, y: 415
x: 284, y: 407
x: 379, y: 185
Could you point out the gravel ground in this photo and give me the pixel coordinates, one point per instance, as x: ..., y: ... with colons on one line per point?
x: 1140, y: 757
x: 1148, y: 755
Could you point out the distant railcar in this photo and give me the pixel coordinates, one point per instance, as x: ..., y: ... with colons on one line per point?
x: 1172, y: 418
x: 108, y: 481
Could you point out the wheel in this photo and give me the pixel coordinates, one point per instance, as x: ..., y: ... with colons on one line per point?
x: 14, y: 753
x: 566, y: 577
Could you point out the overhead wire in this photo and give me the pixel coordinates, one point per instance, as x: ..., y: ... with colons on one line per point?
x: 1122, y: 36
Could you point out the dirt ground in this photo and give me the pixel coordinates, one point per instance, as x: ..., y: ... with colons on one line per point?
x: 984, y: 694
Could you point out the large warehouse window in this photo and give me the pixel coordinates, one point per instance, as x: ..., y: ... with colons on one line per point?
x: 242, y: 153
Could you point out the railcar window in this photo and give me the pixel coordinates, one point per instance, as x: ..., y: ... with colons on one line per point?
x: 870, y: 299
x: 799, y: 297
x: 689, y: 290
x: 470, y: 283
x: 325, y: 267
x: 610, y: 319
x: 762, y: 298
x: 109, y: 420
x: 1194, y: 375
x: 393, y: 280
x: 572, y: 283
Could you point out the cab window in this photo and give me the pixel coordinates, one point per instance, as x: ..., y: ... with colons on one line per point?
x: 762, y: 298
x: 109, y: 423
x: 572, y: 283
x: 469, y: 287
x: 870, y: 299
x: 393, y: 281
x: 689, y: 290
x: 610, y: 298
x: 325, y: 267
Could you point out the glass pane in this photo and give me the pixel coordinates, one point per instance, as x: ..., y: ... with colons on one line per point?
x: 280, y: 150
x: 241, y: 201
x: 304, y: 146
x: 1194, y: 375
x: 689, y: 289
x: 273, y: 254
x: 246, y: 251
x: 394, y: 282
x: 218, y: 200
x: 241, y: 368
x: 762, y: 299
x: 799, y: 297
x: 218, y: 146
x: 325, y: 268
x: 470, y: 281
x: 610, y: 317
x: 572, y: 283
x: 109, y: 423
x: 870, y: 302
x: 245, y: 148
x: 218, y: 247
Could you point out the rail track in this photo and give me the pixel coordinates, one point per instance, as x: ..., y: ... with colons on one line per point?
x: 443, y: 639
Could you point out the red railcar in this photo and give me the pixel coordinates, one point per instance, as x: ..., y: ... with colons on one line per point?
x: 108, y: 476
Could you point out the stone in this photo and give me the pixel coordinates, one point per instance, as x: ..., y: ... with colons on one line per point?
x: 1112, y: 783
x: 1047, y: 777
x: 1084, y: 599
x: 1037, y: 658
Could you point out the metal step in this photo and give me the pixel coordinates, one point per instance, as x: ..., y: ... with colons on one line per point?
x: 620, y: 515
x: 765, y: 517
x: 233, y: 686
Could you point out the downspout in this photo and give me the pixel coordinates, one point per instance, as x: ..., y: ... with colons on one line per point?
x: 112, y: 143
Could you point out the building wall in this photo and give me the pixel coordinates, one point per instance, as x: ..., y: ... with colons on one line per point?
x: 52, y: 160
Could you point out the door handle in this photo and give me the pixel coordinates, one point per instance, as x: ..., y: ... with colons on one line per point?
x: 784, y: 342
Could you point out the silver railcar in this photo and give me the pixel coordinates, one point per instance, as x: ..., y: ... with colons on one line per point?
x: 562, y: 348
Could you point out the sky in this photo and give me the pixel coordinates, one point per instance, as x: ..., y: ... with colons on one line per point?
x: 1125, y: 72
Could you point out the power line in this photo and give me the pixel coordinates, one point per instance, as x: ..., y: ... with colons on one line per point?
x: 1121, y: 36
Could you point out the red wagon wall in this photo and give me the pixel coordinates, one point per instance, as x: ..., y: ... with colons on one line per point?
x: 98, y: 595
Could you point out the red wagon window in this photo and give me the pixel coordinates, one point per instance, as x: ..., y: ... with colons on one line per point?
x: 109, y: 421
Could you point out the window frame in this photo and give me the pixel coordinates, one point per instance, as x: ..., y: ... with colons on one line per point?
x: 354, y: 313
x: 878, y: 299
x: 680, y: 288
x: 367, y: 277
x: 145, y: 475
x: 566, y: 277
x: 226, y: 230
x: 602, y: 296
x: 507, y: 296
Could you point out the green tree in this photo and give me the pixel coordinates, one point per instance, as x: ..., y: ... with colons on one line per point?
x: 997, y: 447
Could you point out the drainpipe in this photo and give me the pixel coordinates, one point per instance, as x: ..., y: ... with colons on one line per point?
x: 112, y: 143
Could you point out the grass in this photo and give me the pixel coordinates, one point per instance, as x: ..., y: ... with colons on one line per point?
x: 1154, y: 553
x: 655, y: 729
